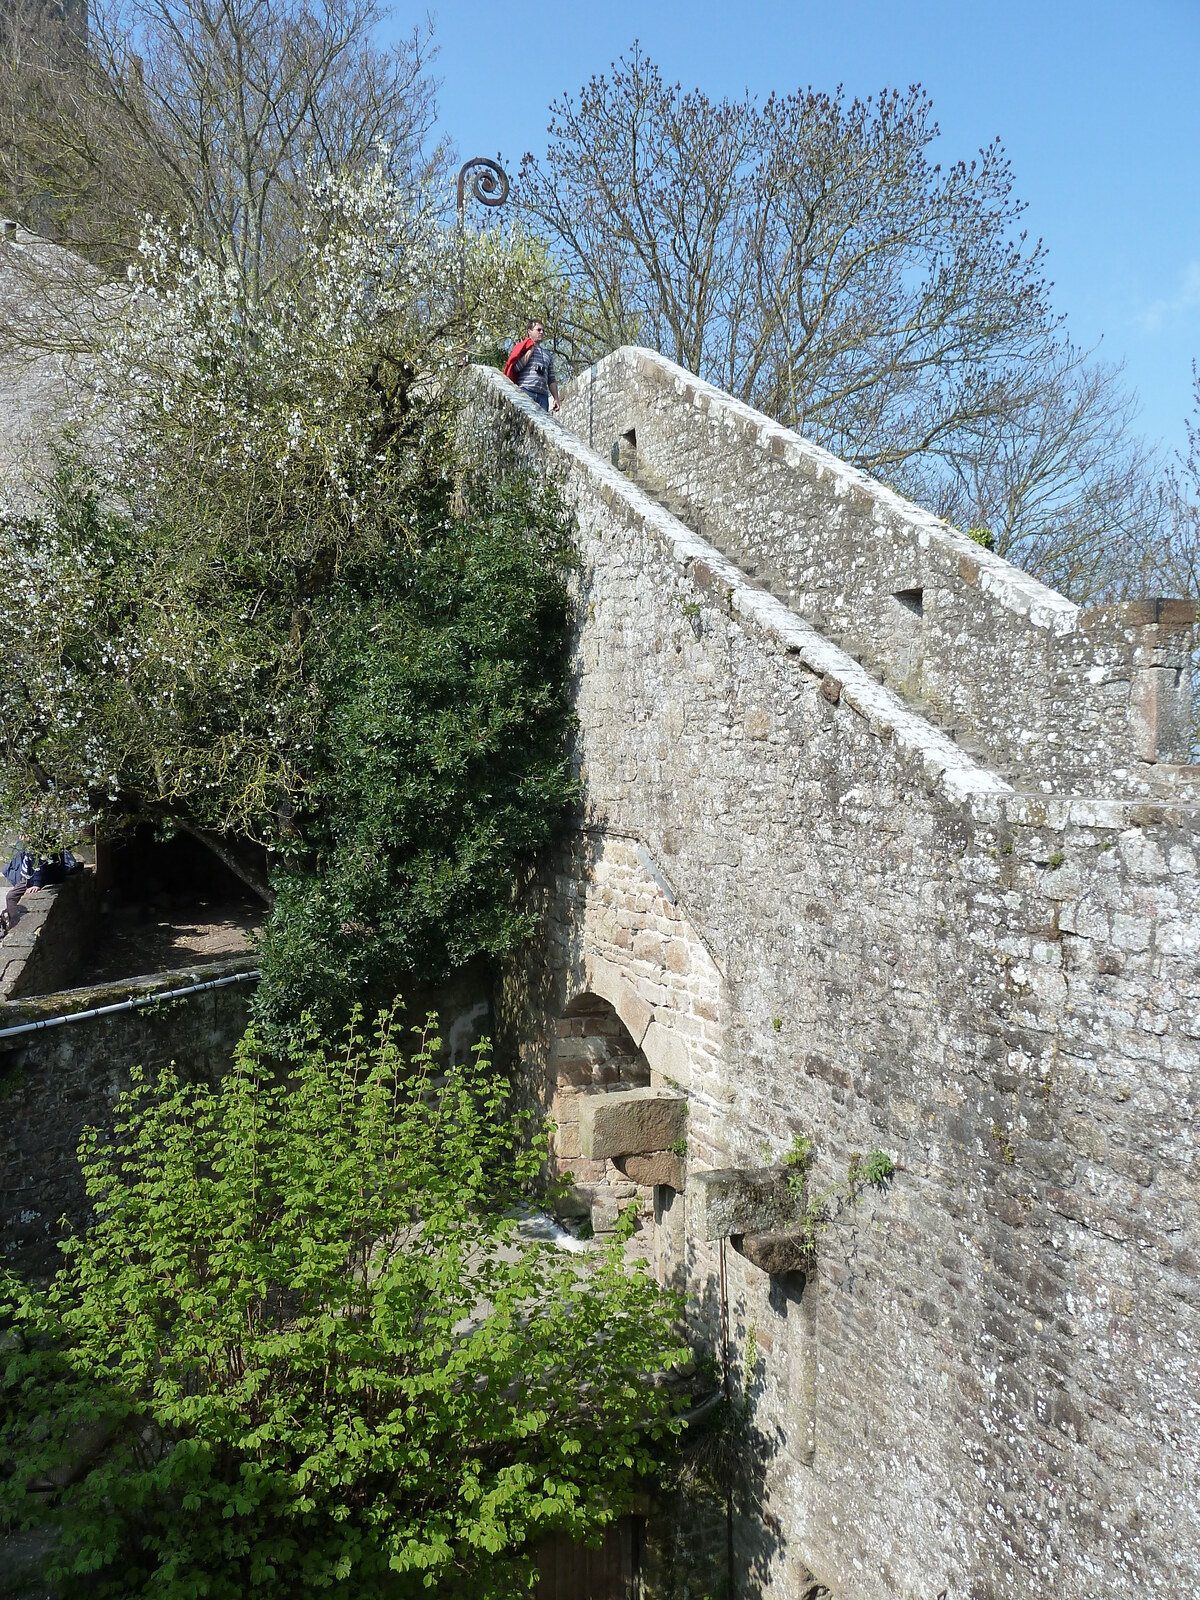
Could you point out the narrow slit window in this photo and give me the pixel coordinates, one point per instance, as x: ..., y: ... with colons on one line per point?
x: 912, y: 600
x: 624, y: 450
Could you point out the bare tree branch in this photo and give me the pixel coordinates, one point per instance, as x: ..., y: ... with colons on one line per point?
x: 206, y: 113
x: 811, y: 256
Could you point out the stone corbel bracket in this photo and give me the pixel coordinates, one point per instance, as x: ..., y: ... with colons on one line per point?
x: 730, y: 1201
x: 630, y: 1122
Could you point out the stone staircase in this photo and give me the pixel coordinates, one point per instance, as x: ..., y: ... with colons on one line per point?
x: 762, y: 576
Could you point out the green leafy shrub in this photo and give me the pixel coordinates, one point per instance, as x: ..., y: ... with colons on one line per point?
x: 875, y: 1169
x: 815, y: 1207
x: 439, y: 765
x: 309, y: 1351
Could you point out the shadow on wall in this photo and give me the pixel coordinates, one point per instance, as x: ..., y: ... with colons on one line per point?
x: 706, y: 1532
x: 55, y: 1083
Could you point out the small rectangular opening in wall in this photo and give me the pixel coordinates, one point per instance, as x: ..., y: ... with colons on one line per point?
x: 624, y: 450
x: 912, y: 600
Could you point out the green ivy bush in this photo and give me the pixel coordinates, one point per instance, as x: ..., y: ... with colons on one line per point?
x: 302, y: 1348
x: 439, y: 765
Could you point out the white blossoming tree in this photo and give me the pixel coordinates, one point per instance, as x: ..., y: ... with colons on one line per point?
x: 251, y: 611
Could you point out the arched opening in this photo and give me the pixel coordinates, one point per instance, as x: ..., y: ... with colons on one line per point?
x: 591, y: 1050
x: 593, y: 1047
x: 630, y: 1154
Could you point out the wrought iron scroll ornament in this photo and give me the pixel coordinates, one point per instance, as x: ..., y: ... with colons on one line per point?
x: 488, y: 183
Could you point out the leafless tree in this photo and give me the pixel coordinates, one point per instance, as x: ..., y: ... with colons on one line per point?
x: 811, y: 256
x: 1176, y: 558
x: 206, y: 112
x: 1061, y: 479
x: 645, y: 189
x: 1179, y: 560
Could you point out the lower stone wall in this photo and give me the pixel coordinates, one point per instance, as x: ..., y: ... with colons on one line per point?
x: 51, y: 935
x: 55, y: 1083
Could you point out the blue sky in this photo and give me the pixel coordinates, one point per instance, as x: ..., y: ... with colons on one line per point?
x: 1098, y: 106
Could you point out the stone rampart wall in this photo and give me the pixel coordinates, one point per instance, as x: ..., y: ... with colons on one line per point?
x: 56, y: 1082
x: 1085, y: 699
x: 990, y: 1385
x: 52, y: 932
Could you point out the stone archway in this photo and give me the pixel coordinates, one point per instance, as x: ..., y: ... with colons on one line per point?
x: 591, y: 1050
x: 617, y: 1136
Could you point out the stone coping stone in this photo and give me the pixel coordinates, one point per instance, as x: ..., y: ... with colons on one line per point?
x: 728, y: 1201
x: 628, y: 1122
x: 65, y: 1002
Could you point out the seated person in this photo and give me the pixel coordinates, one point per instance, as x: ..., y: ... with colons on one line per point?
x: 25, y: 875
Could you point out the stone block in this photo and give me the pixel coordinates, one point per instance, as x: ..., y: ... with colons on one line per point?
x: 630, y: 1122
x: 578, y: 1170
x: 729, y: 1201
x: 564, y: 1103
x: 679, y: 957
x: 649, y: 945
x: 667, y: 1054
x: 606, y: 1213
x: 1177, y: 613
x: 776, y: 1253
x: 664, y: 1166
x: 566, y: 1139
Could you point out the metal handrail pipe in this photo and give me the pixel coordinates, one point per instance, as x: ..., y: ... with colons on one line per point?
x: 128, y: 1005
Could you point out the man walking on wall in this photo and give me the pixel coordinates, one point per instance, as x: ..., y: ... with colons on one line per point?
x: 531, y: 368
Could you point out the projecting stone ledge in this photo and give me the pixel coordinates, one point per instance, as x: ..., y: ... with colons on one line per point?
x: 776, y: 1253
x: 664, y: 1166
x: 728, y: 1201
x: 630, y: 1122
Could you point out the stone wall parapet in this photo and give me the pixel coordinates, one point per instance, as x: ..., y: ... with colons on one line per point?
x: 1052, y: 693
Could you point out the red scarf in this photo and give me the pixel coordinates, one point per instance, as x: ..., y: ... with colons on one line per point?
x: 519, y: 351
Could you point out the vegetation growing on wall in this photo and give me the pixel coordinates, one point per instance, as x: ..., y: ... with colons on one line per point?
x: 303, y: 1347
x: 814, y: 1207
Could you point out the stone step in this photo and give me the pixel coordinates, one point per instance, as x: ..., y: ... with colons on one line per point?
x: 731, y: 1201
x: 629, y: 1122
